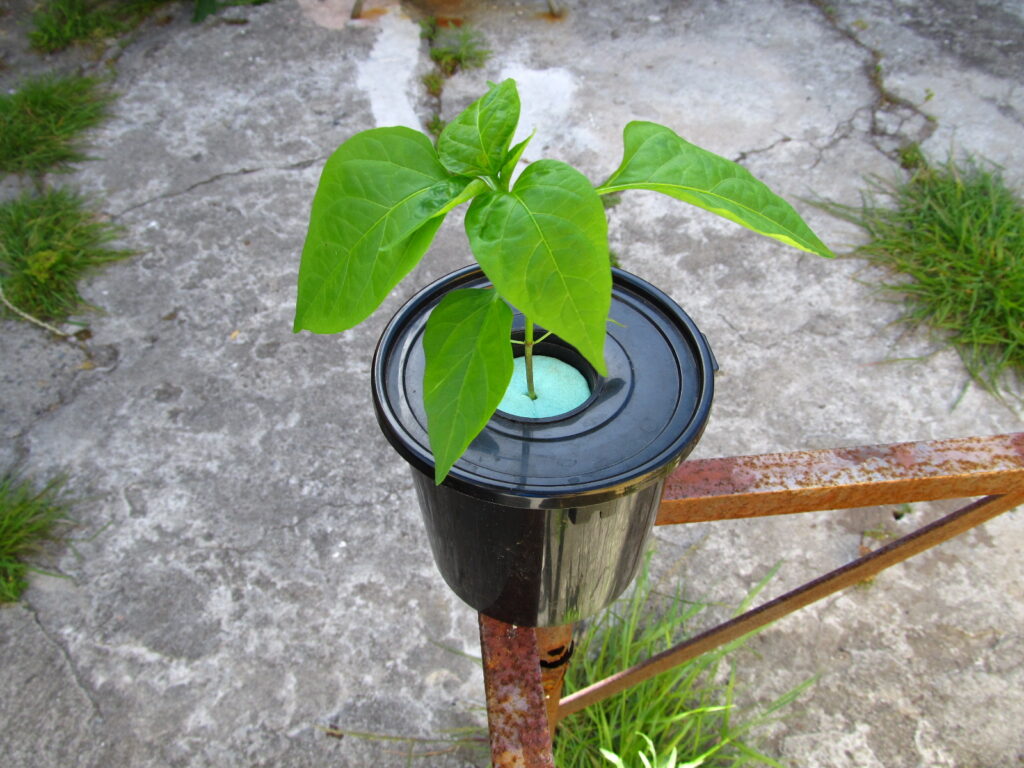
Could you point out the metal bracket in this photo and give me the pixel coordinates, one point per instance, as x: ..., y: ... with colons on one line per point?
x: 521, y: 712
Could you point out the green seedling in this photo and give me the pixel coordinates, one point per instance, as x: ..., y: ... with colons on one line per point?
x: 42, y: 122
x: 540, y: 237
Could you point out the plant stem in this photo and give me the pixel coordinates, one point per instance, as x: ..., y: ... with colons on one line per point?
x: 27, y: 316
x: 530, y: 392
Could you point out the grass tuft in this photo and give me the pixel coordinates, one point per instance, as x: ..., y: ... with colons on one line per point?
x: 28, y: 517
x: 47, y: 243
x: 683, y: 717
x: 456, y: 48
x: 687, y: 711
x: 434, y: 83
x: 453, y: 46
x: 435, y: 125
x: 61, y: 23
x: 41, y: 122
x: 955, y: 236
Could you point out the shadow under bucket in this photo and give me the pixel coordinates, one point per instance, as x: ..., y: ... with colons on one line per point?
x: 543, y: 522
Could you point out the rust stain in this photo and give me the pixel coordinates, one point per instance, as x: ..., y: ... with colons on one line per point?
x: 1017, y: 443
x: 516, y: 712
x: 748, y: 486
x: 555, y: 647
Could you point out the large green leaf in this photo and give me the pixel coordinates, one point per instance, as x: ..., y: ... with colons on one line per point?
x: 467, y: 343
x: 382, y: 196
x: 544, y: 245
x: 475, y: 142
x: 656, y: 158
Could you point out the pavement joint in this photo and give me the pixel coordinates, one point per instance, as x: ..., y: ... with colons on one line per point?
x: 886, y: 100
x: 68, y: 660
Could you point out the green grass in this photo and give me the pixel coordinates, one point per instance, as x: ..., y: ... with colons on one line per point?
x: 453, y: 49
x: 47, y: 243
x: 954, y: 237
x: 204, y: 8
x: 42, y: 121
x: 434, y: 83
x: 61, y: 23
x: 435, y: 125
x: 688, y: 711
x: 28, y: 517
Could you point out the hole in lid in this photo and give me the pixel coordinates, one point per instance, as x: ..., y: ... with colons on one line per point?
x: 556, y: 364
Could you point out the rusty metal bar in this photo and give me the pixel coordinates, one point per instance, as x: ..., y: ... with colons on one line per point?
x: 516, y: 711
x: 805, y: 481
x: 863, y: 568
x: 555, y: 647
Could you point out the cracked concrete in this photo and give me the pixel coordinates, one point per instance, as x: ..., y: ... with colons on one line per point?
x: 250, y: 569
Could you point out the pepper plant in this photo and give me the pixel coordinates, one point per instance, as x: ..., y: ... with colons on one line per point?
x: 540, y: 237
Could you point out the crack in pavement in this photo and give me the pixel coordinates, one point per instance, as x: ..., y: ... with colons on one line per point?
x: 301, y: 165
x: 887, y: 106
x: 72, y: 667
x: 744, y: 154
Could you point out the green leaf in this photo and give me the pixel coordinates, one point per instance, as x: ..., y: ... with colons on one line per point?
x: 658, y: 159
x: 467, y: 344
x: 475, y: 143
x: 382, y: 196
x: 512, y: 160
x: 612, y: 758
x: 544, y: 245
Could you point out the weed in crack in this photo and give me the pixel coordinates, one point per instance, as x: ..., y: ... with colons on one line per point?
x: 954, y: 236
x: 28, y: 517
x: 41, y: 123
x: 47, y: 243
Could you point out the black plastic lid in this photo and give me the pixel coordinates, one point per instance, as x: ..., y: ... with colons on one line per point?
x: 641, y: 420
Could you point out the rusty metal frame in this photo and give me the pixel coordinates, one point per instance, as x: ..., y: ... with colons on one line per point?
x: 521, y: 687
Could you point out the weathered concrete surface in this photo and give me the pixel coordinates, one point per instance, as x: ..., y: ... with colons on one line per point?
x: 250, y: 567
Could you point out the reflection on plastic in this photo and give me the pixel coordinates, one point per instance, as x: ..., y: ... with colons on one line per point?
x: 536, y: 567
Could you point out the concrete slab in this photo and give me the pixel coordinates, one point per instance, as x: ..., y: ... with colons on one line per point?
x: 250, y: 567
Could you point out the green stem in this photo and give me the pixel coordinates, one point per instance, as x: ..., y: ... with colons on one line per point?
x: 530, y: 392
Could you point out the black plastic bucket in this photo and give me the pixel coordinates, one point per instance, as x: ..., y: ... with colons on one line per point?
x: 544, y: 522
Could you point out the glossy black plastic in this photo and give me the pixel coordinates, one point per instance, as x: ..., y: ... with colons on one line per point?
x: 544, y: 521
